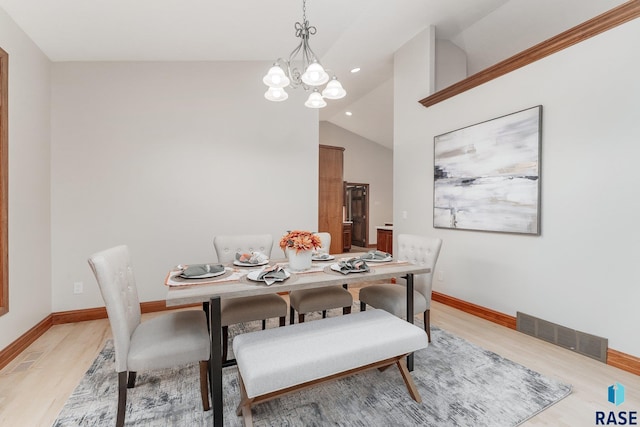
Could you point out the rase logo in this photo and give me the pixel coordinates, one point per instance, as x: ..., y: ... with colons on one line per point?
x: 615, y: 395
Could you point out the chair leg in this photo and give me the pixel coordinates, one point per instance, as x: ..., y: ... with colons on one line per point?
x: 122, y: 398
x: 283, y: 320
x: 427, y: 323
x: 225, y: 342
x: 324, y: 314
x: 363, y: 306
x: 292, y: 313
x: 346, y: 310
x: 264, y: 324
x: 204, y: 384
x: 131, y: 383
x: 300, y: 318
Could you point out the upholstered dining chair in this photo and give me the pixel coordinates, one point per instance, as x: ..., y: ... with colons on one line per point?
x: 319, y: 299
x: 391, y: 297
x: 246, y: 309
x: 168, y: 340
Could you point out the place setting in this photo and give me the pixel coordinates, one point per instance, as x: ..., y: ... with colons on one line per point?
x: 348, y: 266
x: 322, y: 256
x: 268, y: 275
x: 197, y: 274
x: 250, y: 259
x: 377, y: 256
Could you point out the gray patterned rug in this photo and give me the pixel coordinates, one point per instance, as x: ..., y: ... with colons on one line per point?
x: 460, y: 384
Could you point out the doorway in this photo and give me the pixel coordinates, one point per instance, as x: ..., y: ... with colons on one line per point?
x: 357, y: 211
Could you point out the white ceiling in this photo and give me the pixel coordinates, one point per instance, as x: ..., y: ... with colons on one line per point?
x: 354, y: 33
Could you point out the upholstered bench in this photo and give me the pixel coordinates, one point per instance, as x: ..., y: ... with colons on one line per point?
x: 276, y: 361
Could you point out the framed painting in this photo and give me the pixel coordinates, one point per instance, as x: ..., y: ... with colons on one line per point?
x: 487, y: 176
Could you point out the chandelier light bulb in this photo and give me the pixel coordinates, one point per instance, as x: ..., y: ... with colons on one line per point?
x: 315, y: 100
x: 334, y: 90
x: 276, y: 78
x: 276, y: 94
x: 315, y: 75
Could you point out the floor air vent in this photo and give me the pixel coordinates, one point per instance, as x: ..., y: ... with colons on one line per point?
x: 580, y: 342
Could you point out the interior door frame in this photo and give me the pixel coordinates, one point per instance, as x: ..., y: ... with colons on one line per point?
x: 366, y: 208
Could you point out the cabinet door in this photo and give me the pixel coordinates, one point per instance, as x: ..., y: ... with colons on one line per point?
x: 385, y: 241
x: 346, y: 237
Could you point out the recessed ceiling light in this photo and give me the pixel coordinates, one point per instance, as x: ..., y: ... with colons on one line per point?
x: 348, y: 113
x: 355, y: 70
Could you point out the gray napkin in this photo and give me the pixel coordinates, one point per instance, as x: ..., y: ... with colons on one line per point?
x: 376, y: 255
x: 273, y: 274
x: 197, y: 271
x: 353, y: 265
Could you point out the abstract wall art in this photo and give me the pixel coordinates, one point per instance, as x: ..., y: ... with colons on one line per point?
x: 487, y: 176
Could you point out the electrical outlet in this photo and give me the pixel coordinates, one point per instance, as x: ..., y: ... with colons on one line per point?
x: 404, y: 214
x: 78, y: 287
x: 441, y: 275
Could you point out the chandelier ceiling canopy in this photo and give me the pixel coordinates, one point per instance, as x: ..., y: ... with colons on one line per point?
x: 310, y: 76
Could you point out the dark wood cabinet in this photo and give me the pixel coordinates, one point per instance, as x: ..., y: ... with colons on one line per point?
x: 347, y: 229
x: 385, y: 240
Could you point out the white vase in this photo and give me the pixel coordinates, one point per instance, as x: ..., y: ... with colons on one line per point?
x: 299, y: 260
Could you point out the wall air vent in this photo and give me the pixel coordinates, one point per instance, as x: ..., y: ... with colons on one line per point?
x: 580, y: 342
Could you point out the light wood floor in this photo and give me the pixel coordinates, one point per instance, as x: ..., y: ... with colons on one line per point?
x: 35, y: 386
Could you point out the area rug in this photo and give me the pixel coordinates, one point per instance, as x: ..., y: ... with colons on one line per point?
x: 461, y: 385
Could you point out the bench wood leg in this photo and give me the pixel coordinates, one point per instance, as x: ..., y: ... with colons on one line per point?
x: 406, y: 376
x: 244, y: 408
x: 346, y: 310
x: 363, y: 306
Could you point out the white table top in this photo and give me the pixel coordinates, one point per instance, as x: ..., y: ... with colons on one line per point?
x: 198, y: 293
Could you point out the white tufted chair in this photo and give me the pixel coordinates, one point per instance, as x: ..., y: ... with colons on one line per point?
x: 165, y: 341
x: 319, y: 299
x: 393, y: 297
x: 246, y: 309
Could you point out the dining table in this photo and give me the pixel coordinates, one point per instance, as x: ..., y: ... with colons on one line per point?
x: 234, y: 283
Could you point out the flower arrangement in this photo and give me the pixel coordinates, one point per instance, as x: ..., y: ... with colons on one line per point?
x: 300, y: 241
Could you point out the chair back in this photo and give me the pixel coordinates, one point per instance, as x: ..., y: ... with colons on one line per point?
x: 423, y: 251
x: 325, y: 239
x: 113, y: 272
x: 227, y: 246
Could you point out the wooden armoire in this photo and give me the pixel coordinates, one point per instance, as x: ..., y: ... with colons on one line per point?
x: 331, y: 195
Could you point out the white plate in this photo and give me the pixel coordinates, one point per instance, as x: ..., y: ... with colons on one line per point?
x: 248, y: 264
x: 253, y: 275
x: 314, y: 258
x: 336, y: 267
x: 378, y: 260
x: 203, y: 276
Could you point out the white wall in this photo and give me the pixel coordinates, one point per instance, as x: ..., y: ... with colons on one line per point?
x: 162, y: 157
x: 517, y: 25
x: 582, y: 271
x: 451, y: 64
x: 29, y: 191
x: 365, y: 162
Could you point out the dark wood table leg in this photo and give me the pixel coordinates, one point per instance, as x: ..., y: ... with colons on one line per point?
x: 410, y: 314
x: 215, y: 362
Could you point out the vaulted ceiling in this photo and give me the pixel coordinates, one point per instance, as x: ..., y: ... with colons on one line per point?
x: 354, y: 33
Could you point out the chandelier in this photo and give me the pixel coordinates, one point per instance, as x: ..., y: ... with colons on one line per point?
x: 310, y: 76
